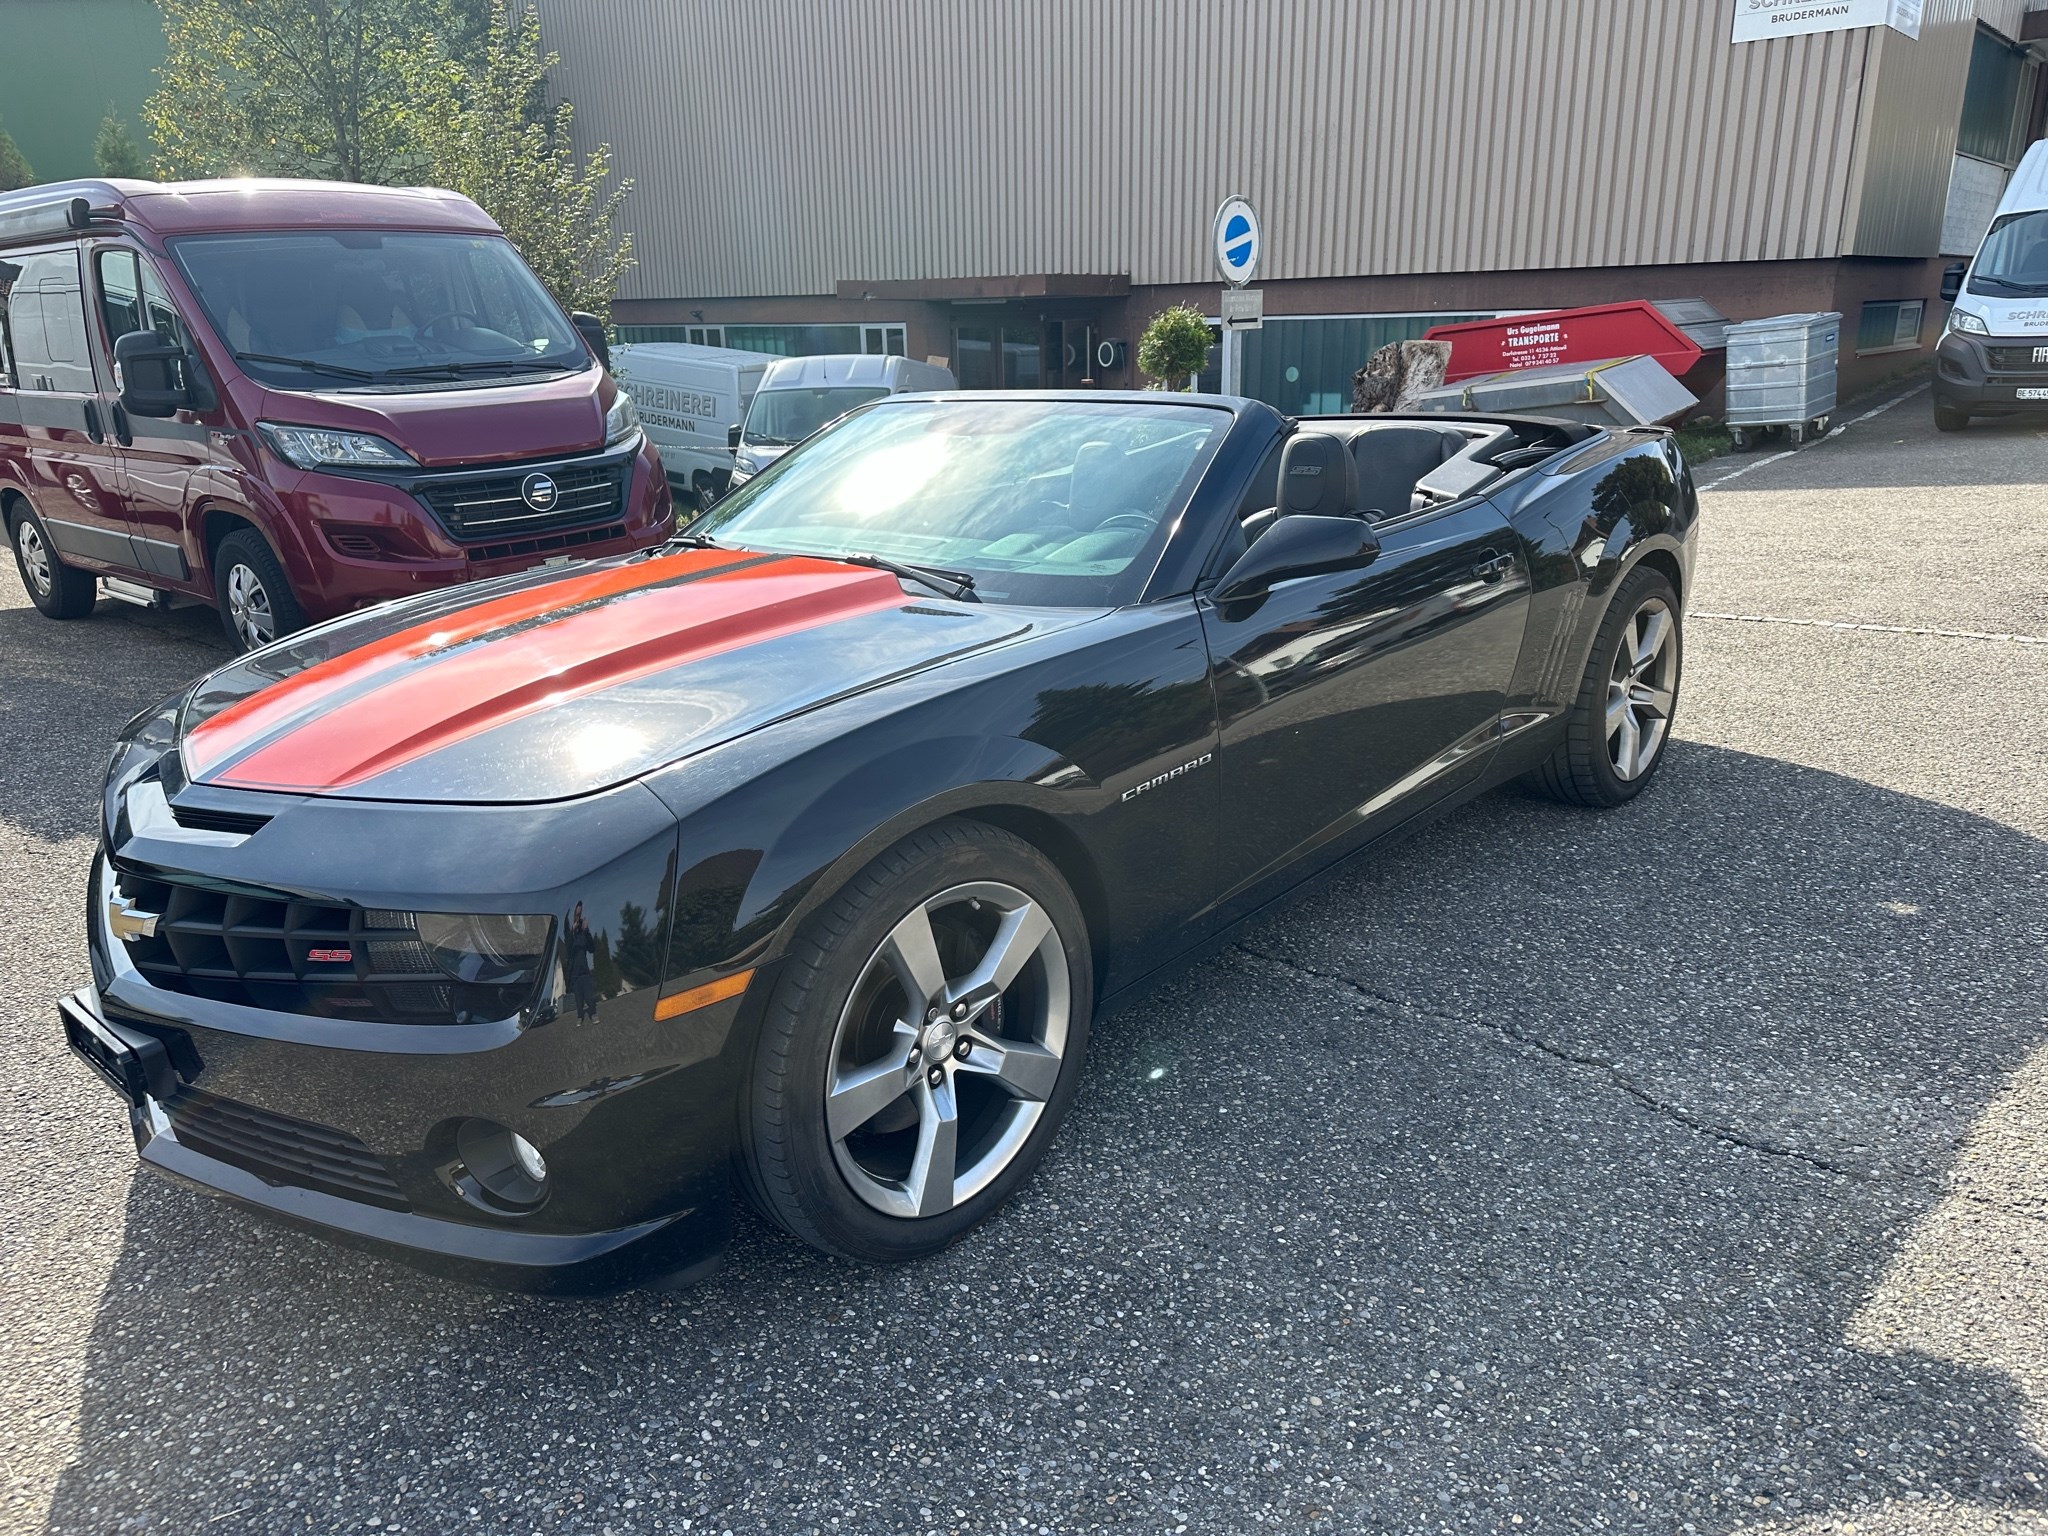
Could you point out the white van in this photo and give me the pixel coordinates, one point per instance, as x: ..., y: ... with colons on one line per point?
x: 798, y: 395
x: 688, y: 398
x: 1992, y: 359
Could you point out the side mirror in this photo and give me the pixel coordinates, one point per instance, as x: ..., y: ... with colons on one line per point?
x: 154, y: 374
x: 732, y: 438
x: 591, y: 329
x: 1305, y: 544
x: 1952, y: 280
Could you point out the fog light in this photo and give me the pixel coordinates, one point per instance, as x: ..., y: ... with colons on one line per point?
x: 503, y: 1168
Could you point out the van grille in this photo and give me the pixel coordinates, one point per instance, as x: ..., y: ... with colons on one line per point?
x: 573, y: 539
x: 281, y: 1150
x: 495, y: 506
x: 2018, y: 359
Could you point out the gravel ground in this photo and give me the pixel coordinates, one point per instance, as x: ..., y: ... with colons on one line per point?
x: 1672, y: 1170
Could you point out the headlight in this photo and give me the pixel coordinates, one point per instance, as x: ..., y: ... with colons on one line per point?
x: 621, y: 421
x: 1972, y: 325
x: 485, y: 948
x: 744, y: 463
x: 318, y: 447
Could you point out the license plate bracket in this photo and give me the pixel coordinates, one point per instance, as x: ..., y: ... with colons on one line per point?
x: 135, y: 1065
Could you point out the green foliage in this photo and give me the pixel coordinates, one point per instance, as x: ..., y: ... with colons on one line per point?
x: 114, y: 149
x: 483, y: 132
x: 1175, y: 346
x: 14, y: 170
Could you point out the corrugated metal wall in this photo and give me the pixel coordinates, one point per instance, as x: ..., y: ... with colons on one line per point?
x: 1906, y: 140
x: 780, y: 146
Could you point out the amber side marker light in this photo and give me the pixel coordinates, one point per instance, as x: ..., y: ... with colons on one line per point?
x: 703, y: 997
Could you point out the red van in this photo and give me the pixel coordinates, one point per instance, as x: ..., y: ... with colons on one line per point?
x: 293, y: 398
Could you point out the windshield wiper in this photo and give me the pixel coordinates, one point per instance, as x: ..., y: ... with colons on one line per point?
x: 957, y: 585
x: 311, y: 365
x: 2010, y: 285
x: 459, y: 366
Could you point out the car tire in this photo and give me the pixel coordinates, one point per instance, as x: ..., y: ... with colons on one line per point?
x: 1619, y: 726
x: 859, y: 1080
x: 59, y: 591
x: 1947, y: 418
x: 254, y: 596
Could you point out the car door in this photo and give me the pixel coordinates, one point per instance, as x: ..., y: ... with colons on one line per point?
x: 59, y: 408
x: 159, y: 457
x: 1347, y: 701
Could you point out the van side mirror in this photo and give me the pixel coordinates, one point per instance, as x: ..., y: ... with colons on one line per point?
x: 155, y: 374
x: 591, y: 329
x: 1952, y: 280
x: 732, y: 438
x: 1304, y: 544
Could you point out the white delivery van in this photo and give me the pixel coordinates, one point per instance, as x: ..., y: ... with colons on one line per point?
x: 1992, y: 359
x: 798, y: 395
x: 688, y: 398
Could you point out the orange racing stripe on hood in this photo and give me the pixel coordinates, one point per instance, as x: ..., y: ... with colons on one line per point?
x: 263, y: 713
x: 444, y: 699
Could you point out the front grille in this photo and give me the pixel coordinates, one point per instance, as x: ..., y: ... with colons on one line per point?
x: 2017, y: 359
x: 291, y: 956
x: 546, y: 543
x: 281, y: 1150
x: 495, y: 506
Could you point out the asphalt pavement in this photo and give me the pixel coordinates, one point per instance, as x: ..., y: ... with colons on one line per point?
x: 1683, y: 1168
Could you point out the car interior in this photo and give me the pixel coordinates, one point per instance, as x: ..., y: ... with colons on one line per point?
x: 1384, y: 470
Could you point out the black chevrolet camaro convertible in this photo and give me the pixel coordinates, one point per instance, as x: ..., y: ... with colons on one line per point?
x: 507, y: 928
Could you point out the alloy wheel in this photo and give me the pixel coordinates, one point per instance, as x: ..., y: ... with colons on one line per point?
x: 35, y: 557
x: 249, y: 607
x: 948, y: 1049
x: 1641, y: 690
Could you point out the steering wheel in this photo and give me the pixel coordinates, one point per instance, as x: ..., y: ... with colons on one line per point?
x: 1136, y: 520
x: 426, y: 328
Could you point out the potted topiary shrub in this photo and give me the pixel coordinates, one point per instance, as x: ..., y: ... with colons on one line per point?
x: 1174, y: 347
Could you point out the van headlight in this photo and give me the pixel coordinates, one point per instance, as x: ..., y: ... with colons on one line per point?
x: 322, y: 447
x: 621, y: 421
x: 1969, y: 324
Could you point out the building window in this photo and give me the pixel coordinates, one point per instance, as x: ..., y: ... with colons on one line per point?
x: 1995, y: 100
x: 1302, y: 364
x: 1889, y: 325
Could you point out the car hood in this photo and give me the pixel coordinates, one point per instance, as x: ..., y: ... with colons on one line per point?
x: 564, y: 682
x: 479, y: 423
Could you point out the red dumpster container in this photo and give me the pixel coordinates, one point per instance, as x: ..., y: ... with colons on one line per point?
x: 1632, y: 329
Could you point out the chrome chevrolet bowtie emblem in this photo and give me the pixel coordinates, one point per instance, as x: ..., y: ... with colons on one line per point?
x: 129, y: 921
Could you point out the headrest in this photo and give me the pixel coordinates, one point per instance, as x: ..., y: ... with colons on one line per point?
x: 1318, y: 476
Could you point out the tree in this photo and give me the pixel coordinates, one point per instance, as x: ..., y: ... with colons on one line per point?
x: 1175, y: 346
x: 484, y: 131
x: 114, y: 149
x: 14, y: 170
x: 293, y: 87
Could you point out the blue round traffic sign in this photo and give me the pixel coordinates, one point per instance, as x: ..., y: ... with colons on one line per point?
x: 1236, y: 241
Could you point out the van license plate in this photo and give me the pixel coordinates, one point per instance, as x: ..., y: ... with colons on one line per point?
x: 2030, y: 394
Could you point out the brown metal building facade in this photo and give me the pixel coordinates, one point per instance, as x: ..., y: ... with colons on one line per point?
x: 1008, y: 183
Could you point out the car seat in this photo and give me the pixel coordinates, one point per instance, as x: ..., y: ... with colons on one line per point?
x: 1318, y: 477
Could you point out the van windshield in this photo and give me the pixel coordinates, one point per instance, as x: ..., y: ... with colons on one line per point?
x: 2014, y: 259
x: 366, y: 309
x: 779, y: 417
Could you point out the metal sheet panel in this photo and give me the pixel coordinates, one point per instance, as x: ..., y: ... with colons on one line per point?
x: 782, y: 146
x: 1906, y: 134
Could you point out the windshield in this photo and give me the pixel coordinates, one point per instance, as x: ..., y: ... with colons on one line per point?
x: 2014, y: 258
x: 1040, y: 501
x: 779, y: 417
x: 331, y: 310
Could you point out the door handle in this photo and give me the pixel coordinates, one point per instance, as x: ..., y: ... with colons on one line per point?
x: 92, y: 422
x: 124, y: 434
x: 1494, y: 567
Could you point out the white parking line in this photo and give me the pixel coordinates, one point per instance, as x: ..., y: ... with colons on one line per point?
x: 1875, y: 629
x: 1856, y: 421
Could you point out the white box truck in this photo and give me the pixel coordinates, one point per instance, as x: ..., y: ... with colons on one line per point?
x: 1992, y: 359
x: 689, y: 399
x: 799, y: 395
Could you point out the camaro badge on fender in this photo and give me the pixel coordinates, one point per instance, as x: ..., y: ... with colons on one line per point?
x: 1172, y: 773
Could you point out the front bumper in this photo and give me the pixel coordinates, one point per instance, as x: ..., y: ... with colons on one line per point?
x: 346, y: 1132
x: 1987, y: 374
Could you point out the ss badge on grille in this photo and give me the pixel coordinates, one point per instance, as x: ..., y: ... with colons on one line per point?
x: 129, y: 921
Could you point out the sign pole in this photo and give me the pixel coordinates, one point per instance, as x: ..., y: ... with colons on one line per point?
x: 1236, y: 243
x: 1233, y: 362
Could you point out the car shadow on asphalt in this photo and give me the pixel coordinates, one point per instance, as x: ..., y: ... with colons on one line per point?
x: 1548, y: 1167
x: 62, y: 702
